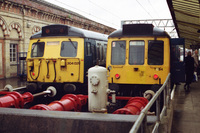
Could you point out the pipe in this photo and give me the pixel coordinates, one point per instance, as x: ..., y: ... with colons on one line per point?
x: 136, y: 104
x: 10, y: 88
x: 17, y: 100
x: 68, y: 102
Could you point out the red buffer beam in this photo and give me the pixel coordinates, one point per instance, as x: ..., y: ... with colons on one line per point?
x: 133, y: 107
x: 68, y: 102
x: 15, y: 99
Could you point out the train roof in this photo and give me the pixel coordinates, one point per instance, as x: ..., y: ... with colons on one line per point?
x: 131, y: 30
x: 65, y: 30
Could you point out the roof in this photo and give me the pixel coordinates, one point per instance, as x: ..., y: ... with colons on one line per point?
x: 48, y: 4
x: 131, y: 30
x: 70, y: 32
x: 186, y: 17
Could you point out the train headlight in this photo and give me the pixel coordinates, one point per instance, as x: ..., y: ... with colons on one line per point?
x: 155, y: 76
x: 117, y: 76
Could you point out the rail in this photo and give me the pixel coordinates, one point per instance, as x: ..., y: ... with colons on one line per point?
x: 142, y: 118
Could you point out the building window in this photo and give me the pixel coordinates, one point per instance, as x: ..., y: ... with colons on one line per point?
x: 13, y: 53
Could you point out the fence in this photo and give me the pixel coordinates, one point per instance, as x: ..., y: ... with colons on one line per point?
x: 141, y: 121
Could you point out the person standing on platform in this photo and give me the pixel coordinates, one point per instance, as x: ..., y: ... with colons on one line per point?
x: 196, y: 64
x: 189, y: 70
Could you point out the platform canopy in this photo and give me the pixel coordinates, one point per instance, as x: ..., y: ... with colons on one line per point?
x: 186, y: 17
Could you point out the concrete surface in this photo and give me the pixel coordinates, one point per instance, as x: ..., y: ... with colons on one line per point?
x: 34, y: 121
x: 187, y: 109
x: 15, y: 82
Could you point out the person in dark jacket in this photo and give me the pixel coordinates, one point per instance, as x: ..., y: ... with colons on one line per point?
x: 189, y: 70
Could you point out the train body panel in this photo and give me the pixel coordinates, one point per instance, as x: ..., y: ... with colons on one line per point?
x: 61, y: 55
x: 138, y: 71
x: 53, y: 66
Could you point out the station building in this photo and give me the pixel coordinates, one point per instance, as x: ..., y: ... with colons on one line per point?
x: 19, y: 19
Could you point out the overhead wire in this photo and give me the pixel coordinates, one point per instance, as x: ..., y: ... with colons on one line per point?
x: 144, y: 9
x: 85, y: 12
x: 104, y: 9
x: 154, y: 9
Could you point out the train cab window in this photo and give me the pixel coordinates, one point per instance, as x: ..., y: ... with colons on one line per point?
x: 68, y: 49
x: 155, y: 52
x: 37, y: 49
x: 118, y: 53
x: 136, y: 52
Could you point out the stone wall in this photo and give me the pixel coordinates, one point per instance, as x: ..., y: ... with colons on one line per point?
x: 19, y: 19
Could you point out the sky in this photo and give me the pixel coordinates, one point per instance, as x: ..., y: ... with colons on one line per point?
x: 112, y: 12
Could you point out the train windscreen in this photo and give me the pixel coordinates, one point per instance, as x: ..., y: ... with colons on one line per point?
x: 136, y: 52
x: 155, y: 52
x: 118, y: 53
x: 68, y: 49
x: 37, y: 49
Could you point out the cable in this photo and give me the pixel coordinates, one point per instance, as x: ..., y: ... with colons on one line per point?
x: 144, y: 9
x: 37, y: 74
x: 54, y: 64
x: 153, y: 9
x: 104, y: 9
x: 86, y: 12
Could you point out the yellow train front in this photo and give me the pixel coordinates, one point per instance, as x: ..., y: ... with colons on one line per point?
x: 60, y: 56
x: 138, y: 58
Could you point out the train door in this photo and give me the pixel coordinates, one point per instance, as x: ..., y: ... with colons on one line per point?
x: 177, y: 54
x: 88, y: 59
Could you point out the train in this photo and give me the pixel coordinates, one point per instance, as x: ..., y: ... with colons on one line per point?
x: 140, y: 57
x: 60, y: 56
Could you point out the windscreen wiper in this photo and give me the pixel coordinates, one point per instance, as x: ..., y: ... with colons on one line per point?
x: 72, y: 43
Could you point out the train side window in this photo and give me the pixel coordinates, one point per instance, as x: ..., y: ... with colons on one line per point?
x: 88, y: 49
x: 68, y: 49
x: 98, y: 53
x: 155, y: 52
x: 118, y: 53
x: 37, y: 49
x: 136, y: 52
x: 101, y: 52
x: 104, y: 52
x: 93, y: 53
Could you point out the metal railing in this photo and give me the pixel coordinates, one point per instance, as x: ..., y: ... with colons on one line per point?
x: 142, y: 118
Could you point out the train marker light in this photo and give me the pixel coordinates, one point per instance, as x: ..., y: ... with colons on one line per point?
x: 155, y: 76
x: 117, y: 76
x: 47, y: 31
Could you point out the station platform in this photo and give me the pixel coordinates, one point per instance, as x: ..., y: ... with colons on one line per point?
x: 15, y: 82
x: 186, y: 118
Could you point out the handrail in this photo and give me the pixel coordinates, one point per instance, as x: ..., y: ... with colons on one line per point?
x: 142, y: 117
